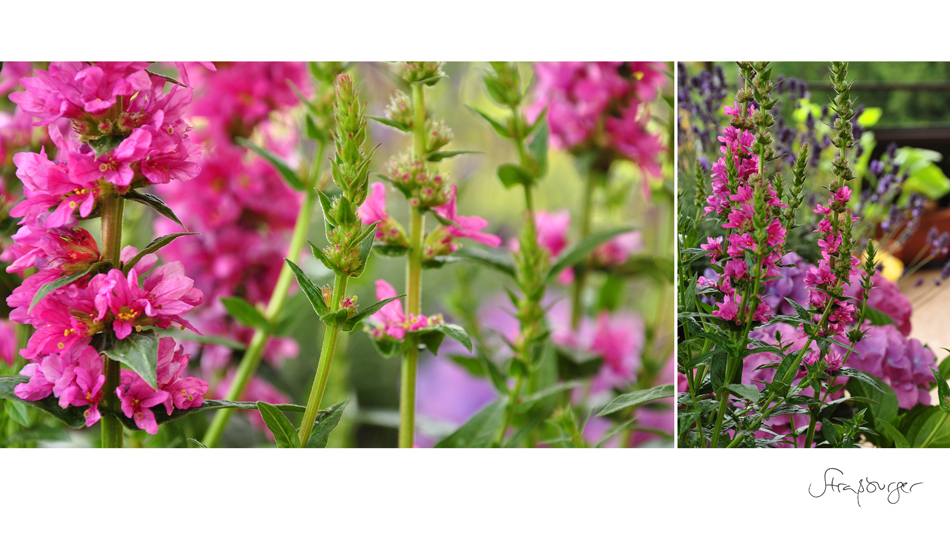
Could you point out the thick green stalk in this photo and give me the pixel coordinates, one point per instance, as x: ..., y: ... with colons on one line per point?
x: 255, y: 351
x: 323, y: 367
x: 594, y: 178
x: 733, y: 365
x: 112, y: 209
x: 410, y: 359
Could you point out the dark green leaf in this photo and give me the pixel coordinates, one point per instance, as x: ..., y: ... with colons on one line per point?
x: 538, y: 148
x: 356, y: 319
x: 747, y: 392
x: 154, y: 203
x: 893, y: 433
x: 480, y: 431
x: 203, y: 339
x: 155, y: 245
x: 637, y: 398
x: 326, y: 203
x: 326, y: 421
x: 139, y: 352
x: 105, y: 144
x: 285, y: 171
x: 366, y: 247
x: 36, y: 433
x: 50, y: 287
x: 579, y: 251
x: 245, y: 313
x: 279, y: 425
x: 456, y: 332
x: 71, y: 416
x: 943, y: 391
x: 18, y: 412
x: 878, y: 318
x: 527, y: 402
x: 499, y: 262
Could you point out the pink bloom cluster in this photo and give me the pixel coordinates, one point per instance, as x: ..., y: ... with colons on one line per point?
x: 390, y: 321
x: 552, y: 228
x: 824, y: 278
x: 601, y: 105
x: 739, y: 211
x: 239, y: 202
x: 123, y: 99
x: 618, y: 338
x: 116, y: 104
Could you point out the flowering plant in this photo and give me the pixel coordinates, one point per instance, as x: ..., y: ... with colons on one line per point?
x: 775, y: 351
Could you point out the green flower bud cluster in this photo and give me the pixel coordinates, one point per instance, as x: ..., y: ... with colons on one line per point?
x: 350, y: 170
x: 438, y: 135
x: 700, y: 186
x: 400, y: 109
x: 797, y: 195
x: 503, y: 83
x: 320, y: 107
x: 844, y: 136
x: 423, y: 189
x: 351, y: 164
x: 427, y: 73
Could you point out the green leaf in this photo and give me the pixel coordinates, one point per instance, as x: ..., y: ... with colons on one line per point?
x: 285, y: 171
x: 356, y: 319
x: 924, y: 424
x: 878, y: 318
x: 943, y: 391
x: 886, y: 407
x: 313, y: 293
x: 71, y: 416
x: 154, y: 203
x: 179, y: 334
x: 456, y: 332
x: 366, y: 247
x: 480, y: 431
x: 389, y: 122
x: 161, y: 417
x: 527, y: 402
x: 18, y: 412
x: 390, y: 250
x: 747, y: 392
x: 868, y: 379
x: 944, y: 367
x: 439, y: 156
x: 198, y: 443
x: 155, y: 245
x: 35, y: 434
x: 899, y: 440
x: 637, y: 398
x: 139, y: 352
x: 500, y: 128
x: 279, y: 425
x: 512, y: 175
x: 387, y: 347
x: 572, y: 363
x: 579, y: 251
x: 245, y: 313
x: 539, y: 150
x: 50, y: 287
x: 501, y: 263
x: 326, y: 203
x: 326, y: 421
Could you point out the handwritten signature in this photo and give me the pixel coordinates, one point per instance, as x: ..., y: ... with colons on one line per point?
x: 865, y: 486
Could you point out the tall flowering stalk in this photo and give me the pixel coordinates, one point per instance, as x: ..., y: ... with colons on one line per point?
x: 399, y: 332
x: 307, y: 180
x: 124, y: 133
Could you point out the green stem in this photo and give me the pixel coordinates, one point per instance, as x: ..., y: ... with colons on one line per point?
x: 410, y: 359
x: 933, y: 434
x: 594, y: 178
x: 510, y: 413
x: 255, y: 351
x: 323, y: 367
x: 112, y: 209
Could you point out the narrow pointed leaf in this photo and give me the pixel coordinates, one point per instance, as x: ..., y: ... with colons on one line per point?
x: 637, y: 398
x: 280, y: 165
x: 50, y: 287
x: 498, y: 262
x: 154, y: 203
x: 153, y: 246
x: 322, y: 257
x: 480, y: 431
x: 356, y: 319
x: 456, y: 332
x: 366, y: 247
x: 389, y: 122
x: 309, y: 289
x: 538, y: 148
x: 500, y: 128
x: 579, y: 251
x: 439, y: 156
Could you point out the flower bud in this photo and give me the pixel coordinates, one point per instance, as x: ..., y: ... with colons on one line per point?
x: 414, y: 72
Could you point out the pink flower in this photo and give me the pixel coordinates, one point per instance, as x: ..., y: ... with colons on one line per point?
x: 467, y: 226
x: 373, y: 210
x: 390, y: 319
x: 115, y: 166
x: 137, y: 399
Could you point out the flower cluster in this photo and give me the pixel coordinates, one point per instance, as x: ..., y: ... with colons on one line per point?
x: 121, y: 109
x: 239, y: 202
x: 749, y: 206
x: 619, y: 339
x: 601, y: 105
